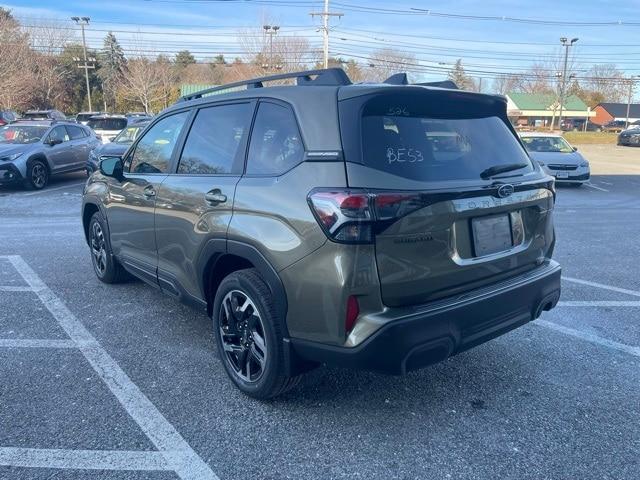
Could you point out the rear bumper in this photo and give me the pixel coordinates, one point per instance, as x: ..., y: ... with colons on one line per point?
x: 432, y: 333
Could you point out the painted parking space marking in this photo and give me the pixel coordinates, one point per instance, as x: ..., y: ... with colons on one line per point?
x: 590, y: 337
x: 82, y: 459
x: 47, y: 190
x: 612, y: 288
x: 599, y: 303
x: 11, y: 288
x: 591, y: 185
x: 36, y: 343
x: 176, y: 454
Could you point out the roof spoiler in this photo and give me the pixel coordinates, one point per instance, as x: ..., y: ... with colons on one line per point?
x: 322, y: 77
x: 402, y: 79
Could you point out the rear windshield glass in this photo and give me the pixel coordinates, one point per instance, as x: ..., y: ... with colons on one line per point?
x: 107, y: 123
x: 428, y: 149
x: 547, y: 144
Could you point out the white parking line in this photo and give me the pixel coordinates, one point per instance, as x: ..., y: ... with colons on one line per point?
x: 599, y: 303
x: 82, y: 459
x: 11, y: 288
x: 177, y: 453
x: 635, y: 293
x: 47, y: 190
x: 36, y: 343
x: 589, y: 337
x: 589, y: 184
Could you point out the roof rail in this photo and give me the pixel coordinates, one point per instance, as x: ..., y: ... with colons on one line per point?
x: 323, y: 77
x: 401, y: 79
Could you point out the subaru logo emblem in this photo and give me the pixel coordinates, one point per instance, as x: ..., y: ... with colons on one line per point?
x: 505, y: 190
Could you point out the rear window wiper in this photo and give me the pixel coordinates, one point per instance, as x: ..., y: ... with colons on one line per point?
x: 496, y: 169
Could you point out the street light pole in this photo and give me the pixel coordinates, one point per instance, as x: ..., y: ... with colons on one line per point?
x: 82, y: 21
x: 566, y: 45
x: 271, y: 30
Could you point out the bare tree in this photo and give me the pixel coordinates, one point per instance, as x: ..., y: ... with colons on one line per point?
x: 48, y: 39
x: 143, y: 83
x: 17, y: 64
x: 506, y: 83
x: 387, y: 61
x: 604, y: 82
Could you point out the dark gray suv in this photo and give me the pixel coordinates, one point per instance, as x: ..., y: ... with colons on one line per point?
x: 376, y: 226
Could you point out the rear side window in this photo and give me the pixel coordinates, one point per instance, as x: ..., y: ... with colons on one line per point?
x: 275, y: 145
x: 107, y: 123
x: 153, y: 152
x: 213, y: 144
x: 76, y: 133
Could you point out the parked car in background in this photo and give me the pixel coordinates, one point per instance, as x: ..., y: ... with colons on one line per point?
x: 615, y: 126
x: 8, y: 116
x: 578, y: 125
x: 137, y: 114
x: 50, y: 114
x: 117, y: 147
x: 32, y: 151
x: 83, y: 117
x: 557, y: 157
x: 381, y: 227
x: 630, y: 137
x: 107, y: 126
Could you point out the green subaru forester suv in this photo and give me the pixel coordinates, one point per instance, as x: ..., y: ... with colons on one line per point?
x: 374, y: 226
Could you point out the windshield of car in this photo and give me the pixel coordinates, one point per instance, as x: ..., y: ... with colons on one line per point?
x: 428, y: 149
x: 128, y: 135
x: 547, y: 144
x: 107, y: 123
x: 22, y: 134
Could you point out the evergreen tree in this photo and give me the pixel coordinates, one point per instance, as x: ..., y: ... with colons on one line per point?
x: 184, y: 58
x: 113, y: 65
x: 460, y: 77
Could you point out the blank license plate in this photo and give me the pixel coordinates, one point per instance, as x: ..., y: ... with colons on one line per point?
x: 491, y: 234
x: 562, y: 175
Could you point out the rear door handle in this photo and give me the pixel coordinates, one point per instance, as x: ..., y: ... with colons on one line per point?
x: 149, y: 191
x: 215, y: 197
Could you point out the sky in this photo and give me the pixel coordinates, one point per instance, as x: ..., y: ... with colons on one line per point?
x: 209, y: 27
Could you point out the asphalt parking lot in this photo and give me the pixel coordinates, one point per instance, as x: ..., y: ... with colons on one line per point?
x: 121, y: 382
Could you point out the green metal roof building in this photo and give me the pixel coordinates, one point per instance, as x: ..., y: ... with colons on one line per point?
x: 539, y: 108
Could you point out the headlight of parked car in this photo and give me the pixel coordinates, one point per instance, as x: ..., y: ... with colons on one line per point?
x: 584, y: 164
x: 8, y: 158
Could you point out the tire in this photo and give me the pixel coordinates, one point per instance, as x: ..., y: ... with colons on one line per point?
x: 37, y: 175
x: 250, y: 343
x: 105, y: 266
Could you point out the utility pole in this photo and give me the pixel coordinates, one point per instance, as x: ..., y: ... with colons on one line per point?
x: 566, y: 44
x: 82, y: 21
x: 325, y: 29
x: 629, y: 98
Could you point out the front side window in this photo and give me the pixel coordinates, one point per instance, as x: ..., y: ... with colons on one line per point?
x: 276, y: 145
x: 58, y: 134
x: 547, y: 144
x: 153, y: 152
x: 213, y: 144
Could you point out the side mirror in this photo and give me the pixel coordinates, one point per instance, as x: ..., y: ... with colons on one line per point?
x: 111, y: 167
x: 54, y: 141
x: 575, y: 149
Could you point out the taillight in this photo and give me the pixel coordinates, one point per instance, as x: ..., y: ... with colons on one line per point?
x: 349, y: 215
x: 344, y: 215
